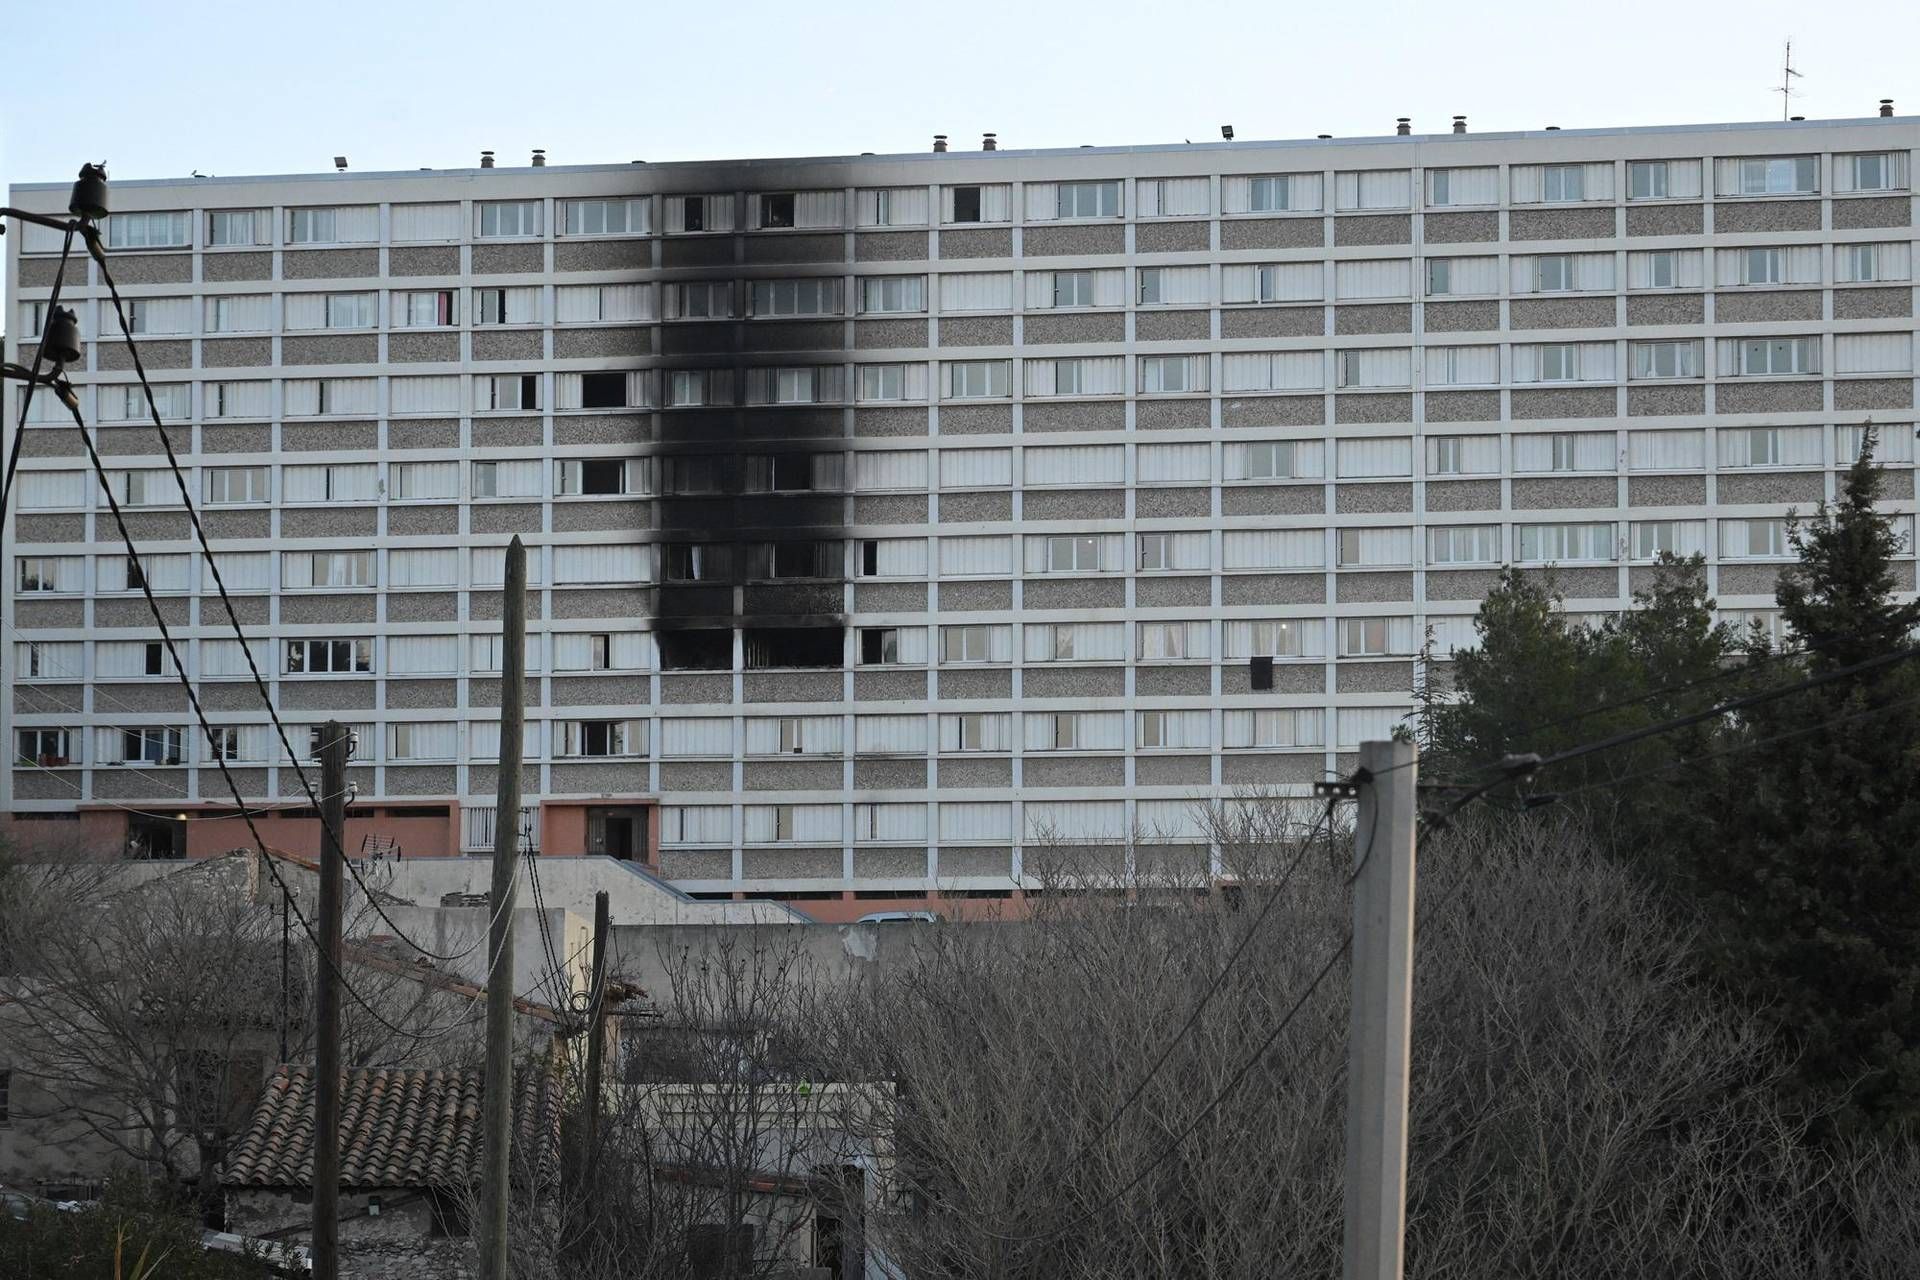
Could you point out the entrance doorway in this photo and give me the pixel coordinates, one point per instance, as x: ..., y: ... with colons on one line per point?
x: 618, y: 832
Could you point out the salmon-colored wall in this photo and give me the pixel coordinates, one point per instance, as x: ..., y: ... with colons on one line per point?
x: 417, y: 837
x: 563, y: 827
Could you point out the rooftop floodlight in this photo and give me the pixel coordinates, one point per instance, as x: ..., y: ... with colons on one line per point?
x: 1226, y: 131
x: 62, y: 339
x: 89, y: 198
x: 340, y: 163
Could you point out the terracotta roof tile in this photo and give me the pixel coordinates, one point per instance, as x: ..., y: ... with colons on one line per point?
x: 398, y: 1128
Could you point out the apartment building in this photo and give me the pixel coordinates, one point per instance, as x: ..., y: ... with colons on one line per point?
x: 891, y: 516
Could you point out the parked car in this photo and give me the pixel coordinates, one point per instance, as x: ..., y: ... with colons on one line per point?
x: 900, y: 917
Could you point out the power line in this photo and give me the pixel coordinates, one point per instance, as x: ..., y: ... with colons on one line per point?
x: 233, y: 618
x: 65, y: 391
x: 33, y: 378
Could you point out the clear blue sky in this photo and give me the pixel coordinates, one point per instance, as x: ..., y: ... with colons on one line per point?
x: 160, y: 90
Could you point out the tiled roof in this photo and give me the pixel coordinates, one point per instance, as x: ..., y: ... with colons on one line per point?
x: 398, y: 1128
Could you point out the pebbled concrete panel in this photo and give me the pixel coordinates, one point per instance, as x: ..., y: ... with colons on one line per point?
x: 1272, y: 233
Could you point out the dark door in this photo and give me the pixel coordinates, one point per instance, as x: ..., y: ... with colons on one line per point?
x: 619, y: 836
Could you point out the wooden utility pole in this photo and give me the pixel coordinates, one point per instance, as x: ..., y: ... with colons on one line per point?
x: 597, y: 1026
x: 1381, y: 1027
x: 496, y: 1106
x: 326, y: 1053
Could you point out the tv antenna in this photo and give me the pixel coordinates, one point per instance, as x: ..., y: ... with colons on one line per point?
x: 1787, y: 76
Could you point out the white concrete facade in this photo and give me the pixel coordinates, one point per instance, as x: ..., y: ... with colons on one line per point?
x: 1152, y: 413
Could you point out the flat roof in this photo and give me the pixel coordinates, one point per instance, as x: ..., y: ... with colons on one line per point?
x: 1158, y: 148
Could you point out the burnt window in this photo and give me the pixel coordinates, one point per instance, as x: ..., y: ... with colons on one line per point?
x: 870, y: 557
x: 701, y: 649
x: 799, y: 559
x: 777, y: 210
x: 156, y: 660
x: 694, y: 213
x: 966, y: 204
x: 696, y: 562
x: 1260, y: 670
x: 792, y: 471
x: 774, y: 647
x: 601, y: 476
x: 603, y: 390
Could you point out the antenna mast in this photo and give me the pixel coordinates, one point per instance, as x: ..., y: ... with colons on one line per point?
x: 1787, y: 76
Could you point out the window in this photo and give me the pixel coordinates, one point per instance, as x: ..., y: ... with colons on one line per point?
x: 502, y: 218
x: 328, y: 569
x: 237, y: 484
x: 1559, y: 362
x: 1753, y: 539
x: 966, y: 204
x: 1647, y: 180
x: 1561, y: 183
x: 424, y: 308
x: 48, y: 749
x: 149, y: 746
x: 972, y: 643
x: 601, y: 738
x: 1666, y: 359
x: 1441, y: 183
x: 508, y: 391
x: 350, y: 311
x: 1553, y: 272
x: 692, y: 213
x: 1156, y: 551
x: 232, y: 227
x: 1439, y: 275
x: 1558, y: 543
x: 1464, y: 544
x: 317, y: 657
x: 1269, y: 195
x: 149, y: 230
x: 45, y: 573
x: 1655, y: 538
x: 1660, y: 270
x: 1173, y: 373
x: 1068, y: 553
x: 893, y: 293
x: 600, y: 477
x: 311, y: 226
x: 975, y: 731
x: 1073, y: 288
x: 812, y: 297
x: 879, y: 645
x: 1088, y: 200
x: 977, y: 379
x: 1771, y: 356
x: 1782, y: 175
x: 1270, y: 460
x: 506, y: 306
x: 607, y: 217
x: 777, y: 209
x: 1763, y: 266
x: 1367, y: 637
x: 1167, y: 641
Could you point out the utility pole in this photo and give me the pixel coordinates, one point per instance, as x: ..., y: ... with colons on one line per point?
x: 326, y: 1052
x: 1380, y: 1031
x: 597, y: 1026
x: 496, y: 1106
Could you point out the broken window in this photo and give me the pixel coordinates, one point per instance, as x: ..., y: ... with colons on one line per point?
x: 701, y: 649
x: 307, y: 657
x: 603, y: 476
x: 777, y: 210
x: 603, y: 390
x: 696, y: 562
x: 966, y: 204
x: 775, y: 647
x: 694, y: 475
x: 693, y: 216
x: 869, y: 557
x: 802, y: 559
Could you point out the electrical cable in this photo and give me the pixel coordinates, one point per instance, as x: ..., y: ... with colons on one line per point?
x: 65, y: 391
x: 91, y: 235
x: 33, y: 378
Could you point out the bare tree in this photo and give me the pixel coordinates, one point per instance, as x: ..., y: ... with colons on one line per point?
x: 1584, y: 1103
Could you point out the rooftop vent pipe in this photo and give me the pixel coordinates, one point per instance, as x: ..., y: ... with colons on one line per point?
x: 1459, y: 124
x: 539, y: 157
x: 486, y: 159
x: 1886, y: 106
x: 989, y: 142
x: 1403, y: 126
x: 939, y: 142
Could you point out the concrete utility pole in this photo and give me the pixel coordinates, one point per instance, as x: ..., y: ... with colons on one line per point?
x: 1381, y: 1028
x: 597, y: 1025
x: 326, y: 1054
x: 496, y: 1106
